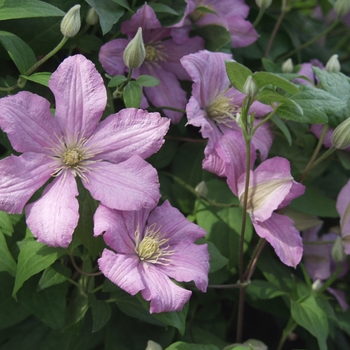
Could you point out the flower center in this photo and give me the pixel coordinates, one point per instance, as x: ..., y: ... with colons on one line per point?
x: 152, y: 247
x: 72, y: 157
x: 220, y: 109
x: 155, y: 52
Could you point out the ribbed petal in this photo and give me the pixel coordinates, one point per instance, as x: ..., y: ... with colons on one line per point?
x: 20, y: 177
x: 54, y: 216
x: 28, y: 122
x: 80, y: 96
x: 280, y: 232
x: 130, y: 185
x: 165, y: 296
x: 129, y: 132
x: 111, y: 56
x: 122, y: 270
x: 119, y: 227
x: 343, y: 207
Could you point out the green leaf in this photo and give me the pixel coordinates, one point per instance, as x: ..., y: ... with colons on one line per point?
x: 124, y: 3
x: 238, y: 74
x: 179, y: 345
x: 5, y: 223
x: 147, y: 80
x: 89, y: 43
x: 264, y: 290
x: 40, y: 78
x: 283, y: 127
x: 7, y: 262
x: 77, y: 307
x: 132, y: 95
x: 205, y: 9
x: 157, y: 7
x: 217, y: 260
x: 309, y: 315
x: 13, y: 9
x: 101, y: 312
x: 215, y: 36
x: 33, y: 258
x: 21, y: 54
x: 116, y: 81
x: 336, y: 84
x: 109, y: 13
x: 266, y: 78
x: 270, y: 66
x: 54, y: 274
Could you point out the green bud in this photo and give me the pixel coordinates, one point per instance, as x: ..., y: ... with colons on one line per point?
x: 338, y: 253
x: 151, y: 345
x: 316, y: 286
x: 135, y: 52
x: 342, y: 7
x: 341, y: 135
x: 287, y: 66
x: 202, y: 188
x: 263, y: 4
x: 91, y: 17
x: 333, y: 64
x: 71, y: 23
x: 250, y: 87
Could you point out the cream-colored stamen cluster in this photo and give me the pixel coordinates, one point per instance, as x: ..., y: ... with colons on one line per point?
x: 221, y: 108
x: 155, y: 52
x: 152, y: 248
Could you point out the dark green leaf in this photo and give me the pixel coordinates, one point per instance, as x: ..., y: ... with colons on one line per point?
x: 270, y: 66
x: 282, y: 126
x: 264, y: 290
x: 54, y: 274
x: 77, y: 307
x: 40, y: 78
x: 88, y: 43
x: 101, y: 312
x: 116, y: 81
x: 217, y: 260
x: 187, y: 346
x: 340, y: 116
x: 123, y: 3
x: 158, y: 7
x: 215, y: 36
x: 7, y: 262
x: 238, y: 74
x: 5, y: 223
x: 205, y: 9
x: 21, y: 54
x: 147, y: 80
x: 132, y: 95
x: 266, y: 78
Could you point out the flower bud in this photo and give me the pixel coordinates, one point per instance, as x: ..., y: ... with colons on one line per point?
x: 316, y: 286
x: 255, y: 344
x: 91, y: 17
x: 338, y: 253
x: 250, y: 87
x: 71, y: 23
x: 135, y: 52
x: 342, y: 7
x: 151, y: 345
x: 287, y: 66
x: 333, y: 64
x: 263, y: 4
x: 202, y: 188
x: 341, y: 135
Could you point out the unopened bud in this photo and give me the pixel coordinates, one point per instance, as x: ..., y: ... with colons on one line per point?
x: 202, y: 188
x: 316, y: 286
x: 255, y: 344
x: 135, y: 52
x: 91, y: 17
x: 338, y: 253
x: 250, y: 87
x: 333, y: 64
x: 342, y: 7
x: 71, y: 23
x: 151, y: 345
x: 287, y: 66
x: 341, y: 135
x: 263, y: 4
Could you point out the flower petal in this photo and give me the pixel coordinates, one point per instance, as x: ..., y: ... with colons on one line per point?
x: 80, y: 96
x: 129, y: 132
x: 165, y: 296
x: 111, y: 56
x: 130, y: 185
x: 20, y: 177
x: 122, y: 270
x: 280, y: 232
x: 54, y: 216
x: 28, y: 122
x: 343, y: 207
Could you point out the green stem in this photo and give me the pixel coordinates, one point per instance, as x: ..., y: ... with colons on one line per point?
x: 331, y: 279
x: 287, y: 330
x: 264, y: 120
x: 228, y: 286
x: 80, y: 270
x: 274, y: 32
x: 254, y: 259
x: 259, y: 17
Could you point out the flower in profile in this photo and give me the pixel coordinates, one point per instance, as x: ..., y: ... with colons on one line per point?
x: 162, y: 61
x: 108, y: 157
x: 148, y: 248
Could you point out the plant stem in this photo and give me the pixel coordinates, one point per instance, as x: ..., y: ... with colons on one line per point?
x: 254, y: 259
x: 274, y: 32
x: 287, y: 330
x: 259, y: 17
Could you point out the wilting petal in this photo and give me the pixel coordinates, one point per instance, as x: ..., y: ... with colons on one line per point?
x: 130, y: 185
x: 111, y: 56
x: 122, y: 270
x: 80, y: 96
x: 165, y: 296
x: 129, y: 132
x: 280, y: 232
x: 28, y: 122
x: 20, y: 177
x: 54, y: 216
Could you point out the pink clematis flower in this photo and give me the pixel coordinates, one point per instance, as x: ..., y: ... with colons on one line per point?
x: 107, y: 157
x: 211, y: 101
x: 162, y: 60
x: 150, y: 248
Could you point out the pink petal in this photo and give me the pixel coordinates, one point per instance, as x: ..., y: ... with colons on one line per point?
x: 316, y: 129
x: 80, y: 96
x: 28, y: 122
x: 343, y: 207
x: 122, y: 270
x: 165, y: 296
x: 129, y: 132
x: 280, y: 232
x: 20, y: 177
x: 54, y: 216
x: 340, y: 296
x: 262, y: 140
x: 130, y: 185
x: 242, y: 32
x: 111, y: 56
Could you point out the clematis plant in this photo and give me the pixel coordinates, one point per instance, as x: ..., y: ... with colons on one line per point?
x: 107, y: 157
x: 149, y: 247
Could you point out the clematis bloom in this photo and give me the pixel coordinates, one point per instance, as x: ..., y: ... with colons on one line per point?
x: 147, y: 249
x: 108, y: 157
